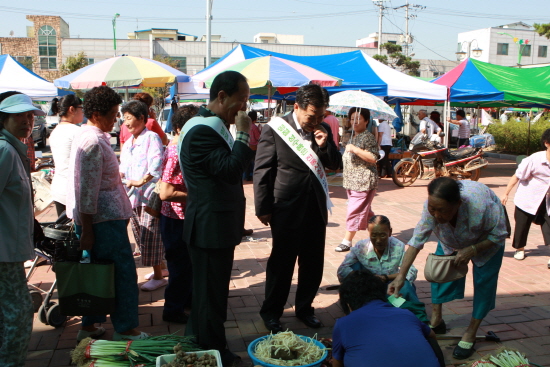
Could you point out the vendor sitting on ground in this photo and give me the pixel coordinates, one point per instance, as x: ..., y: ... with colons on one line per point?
x: 376, y: 334
x: 382, y: 254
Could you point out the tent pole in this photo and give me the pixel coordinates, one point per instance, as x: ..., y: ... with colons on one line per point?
x: 269, y: 103
x: 127, y: 95
x: 528, y: 136
x: 446, y: 107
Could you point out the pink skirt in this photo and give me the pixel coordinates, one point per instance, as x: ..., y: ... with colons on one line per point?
x: 359, y: 209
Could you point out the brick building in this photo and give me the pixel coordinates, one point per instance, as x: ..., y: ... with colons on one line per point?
x: 41, y: 50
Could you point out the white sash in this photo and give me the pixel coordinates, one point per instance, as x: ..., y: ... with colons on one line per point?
x: 213, y: 122
x: 303, y: 150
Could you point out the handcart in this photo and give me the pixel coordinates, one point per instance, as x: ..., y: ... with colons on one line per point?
x: 60, y: 244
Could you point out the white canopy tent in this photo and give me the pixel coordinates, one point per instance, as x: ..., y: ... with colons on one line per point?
x: 14, y: 76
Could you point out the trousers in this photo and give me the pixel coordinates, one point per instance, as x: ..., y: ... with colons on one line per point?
x: 16, y: 314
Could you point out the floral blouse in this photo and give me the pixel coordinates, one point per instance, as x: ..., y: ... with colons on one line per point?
x: 363, y: 253
x: 480, y: 217
x: 360, y: 175
x: 96, y: 188
x: 138, y: 158
x: 171, y: 173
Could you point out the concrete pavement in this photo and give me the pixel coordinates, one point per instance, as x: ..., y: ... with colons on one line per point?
x: 521, y: 318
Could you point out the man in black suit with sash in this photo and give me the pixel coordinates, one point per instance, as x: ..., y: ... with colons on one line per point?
x: 290, y: 197
x: 214, y: 216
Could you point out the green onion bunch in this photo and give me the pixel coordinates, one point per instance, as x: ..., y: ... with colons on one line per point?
x: 137, y: 353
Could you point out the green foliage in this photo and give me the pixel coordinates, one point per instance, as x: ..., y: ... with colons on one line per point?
x: 543, y: 29
x: 397, y: 60
x: 511, y: 137
x: 73, y: 63
x: 27, y: 62
x: 160, y: 93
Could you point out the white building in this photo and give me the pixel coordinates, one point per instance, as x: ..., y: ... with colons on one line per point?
x: 289, y: 39
x: 500, y: 45
x: 372, y: 40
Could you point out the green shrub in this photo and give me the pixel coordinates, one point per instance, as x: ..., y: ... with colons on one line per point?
x: 511, y: 137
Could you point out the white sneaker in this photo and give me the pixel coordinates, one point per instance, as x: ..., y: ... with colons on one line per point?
x: 154, y: 284
x: 519, y: 255
x: 548, y: 264
x: 28, y: 263
x: 151, y: 275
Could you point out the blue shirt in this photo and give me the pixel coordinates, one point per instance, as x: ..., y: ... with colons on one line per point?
x: 379, y: 334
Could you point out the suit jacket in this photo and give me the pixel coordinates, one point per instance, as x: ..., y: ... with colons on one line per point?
x: 214, y: 214
x: 283, y: 183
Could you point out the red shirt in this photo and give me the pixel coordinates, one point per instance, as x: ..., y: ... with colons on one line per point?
x: 151, y: 124
x: 171, y: 173
x: 30, y: 152
x: 334, y: 127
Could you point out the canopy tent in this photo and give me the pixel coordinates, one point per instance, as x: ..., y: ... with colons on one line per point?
x: 14, y: 76
x: 475, y: 83
x: 358, y: 71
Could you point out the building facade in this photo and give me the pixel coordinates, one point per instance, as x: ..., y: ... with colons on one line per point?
x: 503, y: 45
x: 48, y: 46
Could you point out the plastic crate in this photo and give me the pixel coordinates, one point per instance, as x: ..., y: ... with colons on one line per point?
x: 166, y: 358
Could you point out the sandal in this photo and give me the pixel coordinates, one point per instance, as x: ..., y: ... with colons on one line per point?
x: 83, y: 334
x: 441, y: 328
x: 342, y: 248
x: 463, y: 353
x: 118, y: 337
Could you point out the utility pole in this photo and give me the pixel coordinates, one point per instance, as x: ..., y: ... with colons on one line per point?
x: 381, y: 7
x: 407, y: 39
x: 406, y: 29
x: 208, y: 32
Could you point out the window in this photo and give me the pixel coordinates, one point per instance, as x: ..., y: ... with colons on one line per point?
x: 265, y: 41
x: 47, y: 47
x: 459, y: 47
x: 182, y: 63
x: 543, y: 51
x: 393, y: 42
x: 525, y: 50
x: 90, y: 61
x: 502, y: 49
x: 437, y: 74
x: 26, y: 61
x: 212, y: 60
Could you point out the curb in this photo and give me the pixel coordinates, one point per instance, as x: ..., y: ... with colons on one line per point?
x: 509, y: 157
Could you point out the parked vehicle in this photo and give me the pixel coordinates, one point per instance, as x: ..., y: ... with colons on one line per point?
x: 460, y: 164
x: 40, y: 131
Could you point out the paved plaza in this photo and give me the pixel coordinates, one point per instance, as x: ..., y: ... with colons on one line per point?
x: 521, y: 318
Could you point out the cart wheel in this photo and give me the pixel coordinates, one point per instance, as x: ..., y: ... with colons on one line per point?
x: 42, y: 314
x: 37, y: 300
x: 55, y: 318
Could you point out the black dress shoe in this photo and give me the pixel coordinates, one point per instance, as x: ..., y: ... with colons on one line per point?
x: 311, y: 321
x: 463, y: 353
x: 177, y: 318
x: 273, y: 325
x: 247, y: 232
x: 441, y: 328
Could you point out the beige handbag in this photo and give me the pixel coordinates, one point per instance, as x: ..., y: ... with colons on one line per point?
x: 441, y: 269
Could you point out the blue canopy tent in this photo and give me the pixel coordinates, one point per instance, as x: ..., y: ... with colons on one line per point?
x: 358, y: 71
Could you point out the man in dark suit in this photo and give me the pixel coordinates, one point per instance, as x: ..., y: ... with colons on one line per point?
x: 289, y: 197
x: 214, y: 216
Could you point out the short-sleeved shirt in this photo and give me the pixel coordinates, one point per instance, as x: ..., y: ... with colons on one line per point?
x: 385, y: 129
x: 379, y: 334
x: 389, y: 263
x: 464, y: 129
x: 140, y: 157
x: 151, y: 125
x: 360, y: 175
x: 534, y: 183
x: 171, y: 173
x: 480, y: 217
x: 61, y: 141
x: 95, y: 187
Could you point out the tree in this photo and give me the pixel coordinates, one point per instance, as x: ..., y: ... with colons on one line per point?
x: 397, y: 60
x: 543, y: 29
x: 27, y: 62
x: 73, y: 63
x: 160, y: 93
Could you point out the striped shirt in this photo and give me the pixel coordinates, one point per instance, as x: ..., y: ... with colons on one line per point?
x: 534, y: 182
x: 464, y: 129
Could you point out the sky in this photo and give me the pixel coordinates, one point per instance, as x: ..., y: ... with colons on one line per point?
x: 434, y: 24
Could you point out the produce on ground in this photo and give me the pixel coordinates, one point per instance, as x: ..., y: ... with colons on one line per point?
x: 185, y: 359
x: 142, y: 353
x: 288, y: 349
